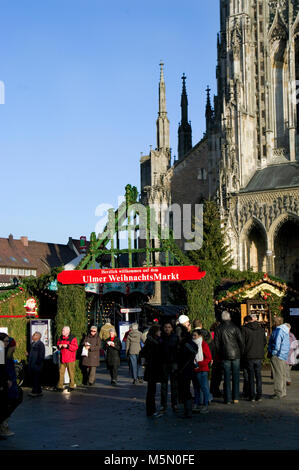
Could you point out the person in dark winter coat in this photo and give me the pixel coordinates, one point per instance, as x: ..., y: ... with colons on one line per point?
x: 169, y: 359
x: 35, y: 364
x: 11, y: 396
x: 229, y: 346
x: 183, y: 329
x: 246, y: 390
x: 112, y: 346
x: 90, y: 363
x: 133, y: 348
x: 151, y: 352
x: 254, y: 349
x: 216, y: 372
x: 186, y: 355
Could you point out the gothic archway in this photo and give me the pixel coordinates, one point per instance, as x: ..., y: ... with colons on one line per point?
x: 254, y: 246
x: 286, y: 249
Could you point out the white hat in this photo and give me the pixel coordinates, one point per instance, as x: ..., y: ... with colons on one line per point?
x: 183, y: 319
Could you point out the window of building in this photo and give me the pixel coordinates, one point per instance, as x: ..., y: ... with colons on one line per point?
x: 8, y: 271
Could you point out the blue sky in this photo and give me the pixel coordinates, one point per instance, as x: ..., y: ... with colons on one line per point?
x: 81, y: 101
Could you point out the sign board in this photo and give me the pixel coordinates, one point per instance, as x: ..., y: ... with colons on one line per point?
x: 93, y: 288
x: 294, y: 312
x: 123, y: 326
x: 148, y: 274
x: 130, y: 310
x: 44, y: 328
x: 53, y: 286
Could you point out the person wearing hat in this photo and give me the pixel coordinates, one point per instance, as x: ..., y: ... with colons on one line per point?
x: 90, y: 362
x: 112, y: 347
x: 183, y: 329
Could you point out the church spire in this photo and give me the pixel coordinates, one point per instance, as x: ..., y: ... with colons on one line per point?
x: 185, y: 131
x: 209, y: 110
x: 162, y: 121
x: 184, y: 101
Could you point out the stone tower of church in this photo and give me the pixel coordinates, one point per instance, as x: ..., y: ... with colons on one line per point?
x: 153, y: 170
x: 154, y: 166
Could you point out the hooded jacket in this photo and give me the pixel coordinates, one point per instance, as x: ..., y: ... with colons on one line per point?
x: 254, y: 341
x: 279, y: 342
x: 133, y: 342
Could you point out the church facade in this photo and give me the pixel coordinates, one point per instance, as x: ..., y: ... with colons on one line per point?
x: 248, y: 158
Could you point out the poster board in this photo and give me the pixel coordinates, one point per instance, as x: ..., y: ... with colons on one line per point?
x: 123, y: 326
x: 294, y: 312
x: 44, y: 327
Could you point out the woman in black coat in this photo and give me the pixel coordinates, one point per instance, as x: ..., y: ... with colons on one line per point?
x: 112, y: 346
x: 90, y: 363
x: 152, y: 351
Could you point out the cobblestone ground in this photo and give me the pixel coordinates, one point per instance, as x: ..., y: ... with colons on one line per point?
x: 110, y: 418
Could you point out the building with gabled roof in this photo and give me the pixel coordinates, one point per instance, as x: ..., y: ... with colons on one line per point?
x: 21, y: 258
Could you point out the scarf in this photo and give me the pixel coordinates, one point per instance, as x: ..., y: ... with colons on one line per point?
x: 199, y: 354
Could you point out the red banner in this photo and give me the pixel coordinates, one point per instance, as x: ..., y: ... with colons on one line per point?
x: 149, y: 274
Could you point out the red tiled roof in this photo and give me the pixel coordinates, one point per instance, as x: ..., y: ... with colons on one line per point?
x: 36, y: 255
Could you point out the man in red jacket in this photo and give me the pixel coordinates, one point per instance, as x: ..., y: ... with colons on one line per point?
x: 68, y: 345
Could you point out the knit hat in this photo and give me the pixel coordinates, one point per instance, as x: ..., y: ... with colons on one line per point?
x: 183, y: 319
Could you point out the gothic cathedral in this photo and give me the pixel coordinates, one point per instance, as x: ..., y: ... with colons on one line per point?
x: 248, y: 158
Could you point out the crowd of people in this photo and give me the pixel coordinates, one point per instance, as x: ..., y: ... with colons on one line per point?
x: 175, y: 352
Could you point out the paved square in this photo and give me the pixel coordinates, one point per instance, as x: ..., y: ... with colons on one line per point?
x: 113, y: 418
